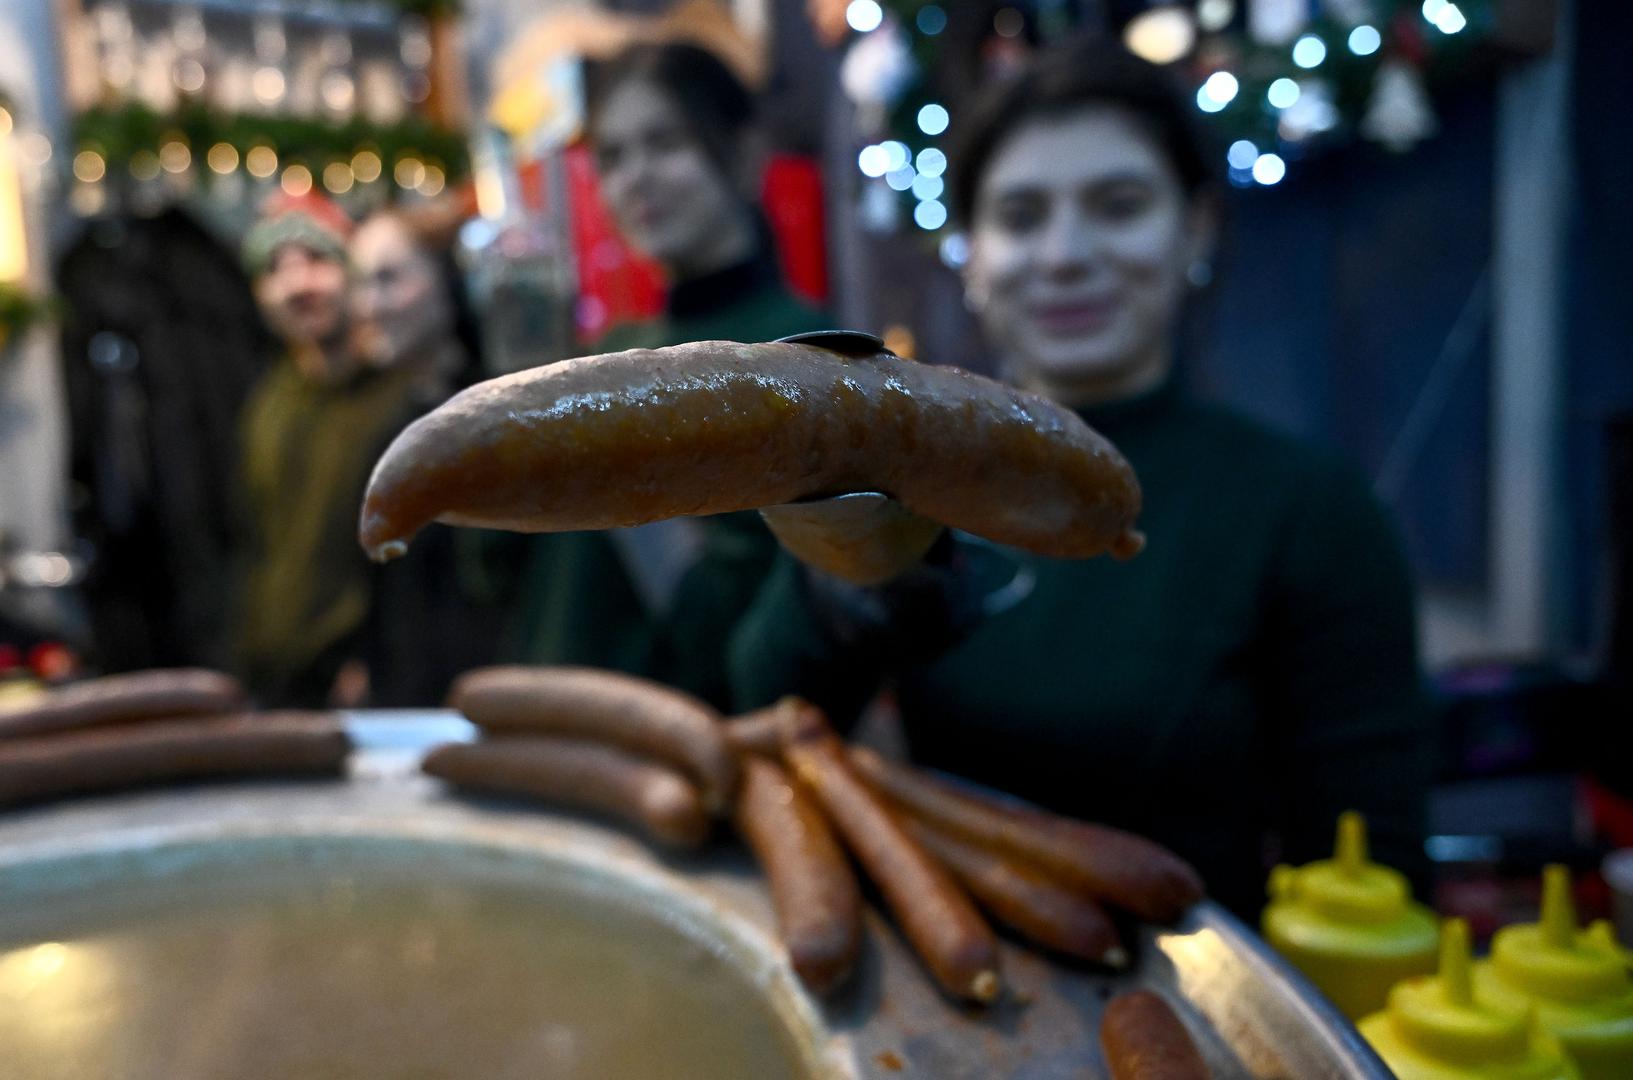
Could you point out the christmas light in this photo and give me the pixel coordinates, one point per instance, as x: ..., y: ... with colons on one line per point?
x: 89, y: 166
x: 337, y: 177
x: 930, y: 215
x: 896, y: 155
x: 873, y: 161
x: 931, y: 162
x: 933, y: 119
x: 1161, y: 35
x: 268, y: 85
x: 1222, y: 88
x: 297, y: 180
x: 409, y: 173
x: 1215, y: 15
x: 1269, y: 169
x: 900, y: 179
x: 1242, y: 154
x: 1283, y: 93
x: 1450, y: 19
x: 261, y: 161
x: 432, y: 182
x: 928, y: 187
x: 175, y: 157
x: 955, y: 250
x: 366, y: 166
x: 864, y: 15
x: 931, y: 20
x: 144, y: 165
x: 1364, y: 40
x: 222, y: 158
x: 1309, y: 51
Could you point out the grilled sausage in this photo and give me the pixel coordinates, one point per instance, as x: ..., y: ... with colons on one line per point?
x: 581, y: 774
x: 1027, y: 900
x: 117, y: 699
x: 1144, y: 1040
x: 641, y: 716
x: 935, y: 914
x: 812, y: 888
x: 1120, y: 868
x: 160, y: 751
x: 760, y: 731
x: 716, y: 426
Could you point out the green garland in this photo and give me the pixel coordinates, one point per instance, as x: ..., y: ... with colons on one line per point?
x: 120, y: 132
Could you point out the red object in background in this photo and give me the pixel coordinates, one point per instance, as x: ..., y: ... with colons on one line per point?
x: 618, y: 285
x: 791, y: 193
x: 52, y: 661
x: 11, y: 657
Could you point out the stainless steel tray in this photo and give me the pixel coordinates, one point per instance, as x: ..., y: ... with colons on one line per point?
x: 1252, y: 1015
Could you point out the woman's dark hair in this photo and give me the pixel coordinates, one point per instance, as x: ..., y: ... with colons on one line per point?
x: 715, y: 105
x: 1087, y: 71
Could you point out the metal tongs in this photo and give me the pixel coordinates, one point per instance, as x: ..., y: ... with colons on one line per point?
x: 864, y: 537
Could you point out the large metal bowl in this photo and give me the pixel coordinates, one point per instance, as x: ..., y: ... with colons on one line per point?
x: 1251, y: 1014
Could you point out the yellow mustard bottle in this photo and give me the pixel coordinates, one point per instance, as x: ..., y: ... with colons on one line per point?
x: 1577, y: 982
x: 1349, y: 924
x: 1437, y: 1027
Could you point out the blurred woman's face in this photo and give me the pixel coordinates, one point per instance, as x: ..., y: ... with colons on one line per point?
x: 668, y: 198
x: 398, y: 304
x: 1079, y: 246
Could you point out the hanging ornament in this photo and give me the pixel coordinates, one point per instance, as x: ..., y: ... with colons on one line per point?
x: 1277, y: 22
x: 877, y: 68
x: 1313, y: 113
x: 1399, y: 115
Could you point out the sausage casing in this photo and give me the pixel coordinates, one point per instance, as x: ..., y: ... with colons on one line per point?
x: 1027, y: 900
x: 581, y: 774
x: 116, y: 699
x: 934, y: 912
x: 761, y: 731
x: 636, y: 714
x: 1145, y: 1040
x: 161, y: 751
x: 715, y: 426
x: 1133, y: 873
x: 813, y: 890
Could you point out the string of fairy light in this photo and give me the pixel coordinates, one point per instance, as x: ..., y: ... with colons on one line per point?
x: 1272, y: 100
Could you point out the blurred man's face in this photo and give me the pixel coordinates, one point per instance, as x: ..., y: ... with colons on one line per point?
x: 302, y: 294
x: 399, y: 305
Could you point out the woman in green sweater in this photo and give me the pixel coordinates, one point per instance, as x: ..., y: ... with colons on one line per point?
x: 1247, y: 677
x: 669, y: 125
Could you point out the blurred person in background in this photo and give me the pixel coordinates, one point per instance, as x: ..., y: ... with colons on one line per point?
x: 410, y: 321
x: 672, y: 133
x: 311, y: 431
x: 1248, y: 676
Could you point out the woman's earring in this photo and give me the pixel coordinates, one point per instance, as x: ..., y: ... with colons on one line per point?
x: 1199, y: 274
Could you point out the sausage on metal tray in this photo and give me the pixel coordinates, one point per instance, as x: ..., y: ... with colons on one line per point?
x: 636, y: 714
x: 813, y: 890
x: 582, y: 774
x: 1133, y: 873
x: 118, y: 699
x: 1145, y: 1040
x: 1027, y: 900
x: 935, y: 914
x: 161, y: 751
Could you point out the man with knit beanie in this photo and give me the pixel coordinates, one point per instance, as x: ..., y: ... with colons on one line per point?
x: 311, y: 432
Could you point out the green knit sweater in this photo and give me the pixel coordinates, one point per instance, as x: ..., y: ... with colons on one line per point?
x: 576, y: 602
x: 1229, y: 691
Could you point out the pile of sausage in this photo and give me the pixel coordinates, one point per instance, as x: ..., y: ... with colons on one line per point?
x: 668, y: 764
x: 156, y: 727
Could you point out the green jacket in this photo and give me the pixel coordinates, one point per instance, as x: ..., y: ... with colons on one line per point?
x: 1229, y: 691
x: 308, y: 449
x: 576, y: 601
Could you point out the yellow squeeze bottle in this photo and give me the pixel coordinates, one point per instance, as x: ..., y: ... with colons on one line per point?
x: 1349, y: 924
x: 1576, y: 981
x: 1438, y: 1027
